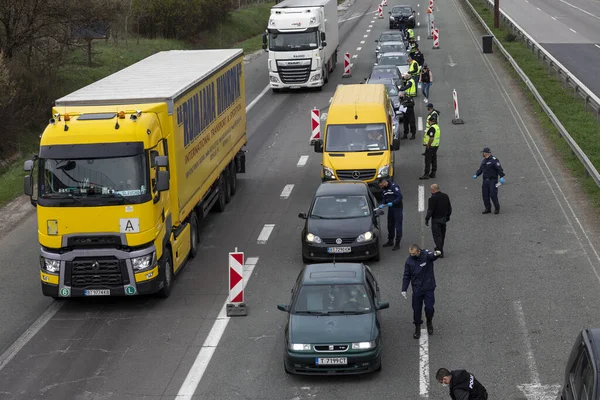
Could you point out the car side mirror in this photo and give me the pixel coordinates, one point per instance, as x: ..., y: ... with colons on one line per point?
x: 162, y: 180
x: 396, y: 144
x: 324, y: 44
x: 379, y: 212
x: 414, y: 11
x: 389, y: 12
x: 318, y: 146
x: 383, y: 306
x: 285, y: 308
x: 161, y: 161
x: 302, y: 215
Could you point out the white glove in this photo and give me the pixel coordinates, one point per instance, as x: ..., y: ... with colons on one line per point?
x: 404, y: 294
x: 437, y: 253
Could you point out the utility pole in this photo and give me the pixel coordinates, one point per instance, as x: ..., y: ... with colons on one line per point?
x: 497, y: 14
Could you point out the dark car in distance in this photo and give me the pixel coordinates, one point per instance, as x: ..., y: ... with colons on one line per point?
x: 405, y: 13
x: 333, y: 323
x: 342, y: 223
x: 382, y: 71
x: 582, y: 373
x: 388, y: 36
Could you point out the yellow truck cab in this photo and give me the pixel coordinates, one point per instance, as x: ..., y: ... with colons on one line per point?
x: 130, y: 165
x: 358, y: 141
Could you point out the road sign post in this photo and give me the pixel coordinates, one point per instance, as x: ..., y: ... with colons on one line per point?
x: 236, y: 306
x: 315, y: 122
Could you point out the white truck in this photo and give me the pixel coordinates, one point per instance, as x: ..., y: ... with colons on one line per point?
x: 302, y: 40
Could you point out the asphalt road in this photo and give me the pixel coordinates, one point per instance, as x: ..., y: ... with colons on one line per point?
x: 568, y: 29
x: 513, y: 291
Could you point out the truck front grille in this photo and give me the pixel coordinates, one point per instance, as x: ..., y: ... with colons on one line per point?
x: 86, y: 272
x: 93, y: 241
x: 356, y: 174
x: 84, y: 281
x: 294, y: 71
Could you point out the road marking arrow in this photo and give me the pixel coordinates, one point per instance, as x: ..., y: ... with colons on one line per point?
x: 451, y: 63
x: 539, y: 392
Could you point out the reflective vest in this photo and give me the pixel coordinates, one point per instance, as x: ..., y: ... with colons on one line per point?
x: 412, y: 90
x: 411, y: 34
x: 434, y: 112
x: 417, y: 70
x: 436, y: 137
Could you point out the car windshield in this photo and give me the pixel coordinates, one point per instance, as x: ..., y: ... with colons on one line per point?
x: 399, y: 59
x: 391, y: 37
x: 392, y: 48
x: 356, y: 137
x: 383, y: 73
x: 391, y: 89
x: 401, y: 10
x: 332, y: 299
x: 93, y: 177
x: 340, y: 207
x: 293, y: 41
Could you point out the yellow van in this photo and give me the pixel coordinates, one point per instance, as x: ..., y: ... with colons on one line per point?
x: 358, y: 141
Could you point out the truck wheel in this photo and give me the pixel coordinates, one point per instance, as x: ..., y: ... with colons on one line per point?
x: 233, y: 179
x: 166, y: 271
x: 194, y: 238
x: 220, y: 204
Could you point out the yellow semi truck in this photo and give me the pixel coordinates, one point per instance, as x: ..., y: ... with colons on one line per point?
x: 128, y: 168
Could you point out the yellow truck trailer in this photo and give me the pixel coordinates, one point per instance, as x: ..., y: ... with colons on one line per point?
x: 130, y: 165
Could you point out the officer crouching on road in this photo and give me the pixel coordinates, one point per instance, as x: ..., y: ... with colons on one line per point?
x: 462, y: 384
x: 490, y: 168
x: 392, y: 198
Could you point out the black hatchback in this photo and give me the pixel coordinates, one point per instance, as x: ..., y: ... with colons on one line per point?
x: 342, y: 223
x: 333, y: 324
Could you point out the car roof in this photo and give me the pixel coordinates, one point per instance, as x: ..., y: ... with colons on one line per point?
x: 394, y: 42
x: 342, y: 188
x: 382, y: 66
x: 383, y: 81
x: 391, y: 33
x: 333, y: 273
x: 402, y: 5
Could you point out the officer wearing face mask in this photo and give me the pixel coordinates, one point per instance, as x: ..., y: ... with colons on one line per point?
x: 462, y: 384
x: 418, y: 271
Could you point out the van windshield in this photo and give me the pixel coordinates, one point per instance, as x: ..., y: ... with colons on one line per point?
x: 356, y: 137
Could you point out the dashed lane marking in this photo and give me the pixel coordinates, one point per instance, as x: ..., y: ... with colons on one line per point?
x: 302, y: 161
x: 265, y: 233
x: 287, y: 190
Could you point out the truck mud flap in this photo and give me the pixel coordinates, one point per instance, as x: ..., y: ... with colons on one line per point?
x: 240, y: 161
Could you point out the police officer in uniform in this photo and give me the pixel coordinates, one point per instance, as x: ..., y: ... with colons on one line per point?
x: 490, y: 168
x: 432, y: 111
x: 409, y: 87
x: 431, y: 141
x: 418, y: 271
x: 462, y: 384
x: 392, y: 198
x: 414, y: 69
x: 409, y: 116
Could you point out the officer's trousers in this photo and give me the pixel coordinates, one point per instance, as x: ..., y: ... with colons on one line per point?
x: 418, y: 299
x: 490, y: 191
x: 431, y: 160
x: 394, y: 219
x: 409, y: 121
x: 438, y: 230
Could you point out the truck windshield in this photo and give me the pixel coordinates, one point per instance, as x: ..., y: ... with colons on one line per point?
x: 293, y: 41
x: 356, y: 137
x: 122, y: 177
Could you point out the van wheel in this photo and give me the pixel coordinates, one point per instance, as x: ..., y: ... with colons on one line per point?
x: 166, y: 270
x: 220, y: 204
x: 233, y: 179
x: 194, y: 237
x: 227, y: 176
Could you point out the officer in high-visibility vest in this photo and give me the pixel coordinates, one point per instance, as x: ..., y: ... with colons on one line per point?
x: 432, y: 111
x: 431, y: 141
x: 409, y: 87
x: 410, y: 33
x: 414, y: 69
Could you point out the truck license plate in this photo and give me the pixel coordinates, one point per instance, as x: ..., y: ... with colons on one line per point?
x: 294, y: 87
x: 332, y: 361
x: 338, y: 250
x: 103, y: 292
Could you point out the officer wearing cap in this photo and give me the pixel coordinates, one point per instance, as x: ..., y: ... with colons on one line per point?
x: 432, y: 111
x: 490, y: 168
x: 431, y: 141
x: 392, y: 198
x: 409, y: 87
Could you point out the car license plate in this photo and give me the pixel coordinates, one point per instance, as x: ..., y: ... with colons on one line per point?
x: 332, y: 361
x: 339, y: 250
x: 103, y: 292
x: 294, y: 87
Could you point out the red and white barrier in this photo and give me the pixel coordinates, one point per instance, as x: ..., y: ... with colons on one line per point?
x: 457, y: 120
x: 347, y: 71
x: 431, y: 26
x: 436, y: 38
x: 236, y: 306
x: 380, y: 11
x: 315, y: 121
x: 384, y: 3
x: 431, y: 4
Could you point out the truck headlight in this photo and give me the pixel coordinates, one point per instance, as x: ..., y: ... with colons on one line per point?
x: 299, y: 347
x: 365, y: 237
x: 384, y: 171
x: 49, y: 265
x: 312, y: 238
x: 363, y: 345
x: 317, y: 77
x: 143, y: 262
x: 274, y: 79
x: 328, y: 173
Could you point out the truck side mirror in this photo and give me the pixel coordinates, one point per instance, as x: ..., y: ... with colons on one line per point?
x: 323, y: 37
x: 264, y: 38
x: 302, y: 215
x: 318, y: 146
x: 396, y: 144
x: 28, y: 166
x: 161, y: 161
x: 28, y: 185
x: 324, y: 44
x: 162, y: 181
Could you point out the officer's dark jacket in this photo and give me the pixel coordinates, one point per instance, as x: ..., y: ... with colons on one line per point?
x: 418, y: 57
x: 490, y: 168
x: 407, y: 102
x: 392, y: 194
x: 419, y: 272
x: 464, y: 386
x: 434, y: 112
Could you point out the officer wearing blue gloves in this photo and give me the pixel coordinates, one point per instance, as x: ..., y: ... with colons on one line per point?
x: 490, y: 168
x: 392, y: 198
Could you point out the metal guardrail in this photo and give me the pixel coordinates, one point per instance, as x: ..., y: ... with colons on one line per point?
x: 553, y: 64
x: 591, y: 170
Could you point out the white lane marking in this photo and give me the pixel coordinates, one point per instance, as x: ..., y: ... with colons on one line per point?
x: 526, y: 1
x: 597, y: 45
x: 39, y: 323
x: 580, y: 9
x: 287, y: 190
x: 351, y: 65
x: 366, y: 36
x: 350, y: 18
x: 420, y: 123
x: 370, y: 26
x: 358, y: 48
x: 330, y: 100
x: 362, y: 42
x: 368, y: 30
x: 354, y: 56
x: 265, y: 233
x: 418, y: 14
x: 424, y: 363
x: 418, y: 23
x: 373, y: 21
x: 418, y: 38
x: 553, y: 18
x: 195, y: 374
x: 539, y: 9
x: 572, y: 30
x: 302, y: 161
x: 257, y: 98
x: 421, y: 198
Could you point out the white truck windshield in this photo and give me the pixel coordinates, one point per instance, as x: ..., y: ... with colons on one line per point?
x: 293, y: 41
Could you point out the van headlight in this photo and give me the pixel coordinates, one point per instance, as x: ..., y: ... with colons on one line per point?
x: 312, y: 238
x: 328, y: 173
x: 143, y: 262
x: 365, y: 237
x: 299, y: 347
x: 363, y: 345
x: 384, y: 171
x: 49, y: 265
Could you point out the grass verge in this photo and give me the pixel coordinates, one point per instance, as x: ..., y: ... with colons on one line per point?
x: 570, y: 110
x: 243, y: 29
